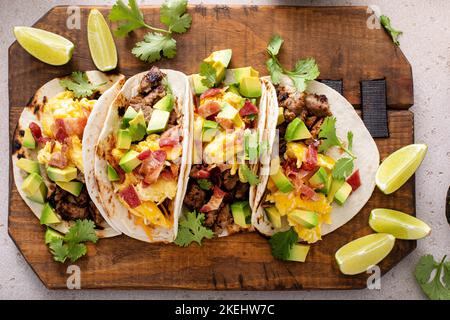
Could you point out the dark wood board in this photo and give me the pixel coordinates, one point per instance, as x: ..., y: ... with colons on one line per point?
x: 344, y: 48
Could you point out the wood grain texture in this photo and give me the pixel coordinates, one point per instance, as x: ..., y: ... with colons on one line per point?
x: 345, y: 49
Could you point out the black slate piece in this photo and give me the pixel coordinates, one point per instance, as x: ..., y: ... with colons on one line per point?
x: 373, y: 104
x: 335, y: 84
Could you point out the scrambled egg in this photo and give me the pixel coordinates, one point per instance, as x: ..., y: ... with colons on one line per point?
x: 159, y: 191
x: 151, y: 142
x: 45, y: 153
x: 151, y: 214
x: 75, y: 153
x: 223, y: 148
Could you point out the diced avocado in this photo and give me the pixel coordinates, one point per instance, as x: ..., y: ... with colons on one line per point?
x: 307, y: 219
x: 48, y: 215
x: 112, y: 174
x: 253, y: 101
x: 209, y: 134
x: 51, y: 235
x: 123, y: 139
x: 319, y: 179
x: 241, y: 213
x: 250, y: 87
x: 129, y: 161
x: 74, y: 187
x: 298, y: 253
x: 138, y: 127
x: 335, y: 185
x: 28, y: 165
x: 222, y: 56
x: 233, y: 88
x: 129, y: 115
x: 64, y: 175
x: 280, y: 119
x: 158, y: 121
x: 343, y: 192
x: 234, y: 99
x: 282, y: 182
x: 35, y: 188
x: 274, y: 216
x: 297, y: 130
x: 208, y: 124
x: 228, y: 112
x: 220, y: 71
x: 240, y: 73
x: 28, y: 139
x: 199, y: 87
x: 166, y: 103
x: 327, y: 186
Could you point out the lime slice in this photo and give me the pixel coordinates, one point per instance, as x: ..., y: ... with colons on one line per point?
x: 361, y: 254
x: 399, y: 167
x: 45, y: 46
x: 399, y: 224
x: 101, y: 42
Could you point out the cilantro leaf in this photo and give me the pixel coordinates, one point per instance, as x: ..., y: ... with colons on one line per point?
x: 191, y: 229
x: 208, y: 73
x: 343, y: 168
x: 204, y: 184
x: 131, y: 15
x: 275, y: 44
x: 282, y: 242
x: 154, y: 43
x: 173, y: 14
x: 350, y: 140
x: 438, y: 287
x: 59, y: 250
x: 275, y: 70
x: 79, y: 84
x: 83, y: 230
x: 386, y: 23
x: 251, y: 177
x: 76, y: 251
x: 328, y: 133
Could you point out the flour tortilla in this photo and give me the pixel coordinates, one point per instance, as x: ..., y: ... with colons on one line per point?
x: 364, y: 147
x: 113, y: 210
x: 32, y: 113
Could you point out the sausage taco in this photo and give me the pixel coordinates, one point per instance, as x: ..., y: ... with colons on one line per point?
x: 141, y: 155
x: 48, y: 165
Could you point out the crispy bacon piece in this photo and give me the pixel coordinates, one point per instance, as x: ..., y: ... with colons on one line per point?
x: 59, y: 159
x: 130, y: 196
x: 307, y: 192
x: 208, y: 109
x: 60, y: 129
x: 215, y: 201
x: 200, y: 174
x: 170, y: 138
x: 354, y: 180
x: 225, y: 123
x: 311, y: 159
x: 75, y: 126
x: 152, y: 166
x: 210, y: 93
x: 35, y: 130
x: 248, y: 109
x: 144, y: 154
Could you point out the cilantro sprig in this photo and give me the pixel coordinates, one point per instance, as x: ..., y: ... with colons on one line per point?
x: 159, y: 42
x: 438, y: 286
x: 208, y: 73
x: 80, y: 85
x: 71, y: 246
x: 304, y: 70
x: 191, y: 229
x: 386, y: 23
x: 204, y: 184
x: 251, y: 177
x: 282, y: 242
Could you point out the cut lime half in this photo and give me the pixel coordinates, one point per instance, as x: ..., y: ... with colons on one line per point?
x: 399, y: 224
x: 361, y: 254
x: 398, y: 167
x: 45, y: 46
x: 101, y: 42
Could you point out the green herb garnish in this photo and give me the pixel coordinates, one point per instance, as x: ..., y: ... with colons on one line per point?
x: 438, y: 286
x: 282, y: 242
x: 80, y: 85
x: 386, y: 23
x: 249, y: 175
x: 191, y: 229
x: 204, y: 184
x: 208, y: 73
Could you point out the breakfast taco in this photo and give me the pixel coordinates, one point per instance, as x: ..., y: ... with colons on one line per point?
x: 323, y: 164
x: 141, y: 155
x: 228, y: 124
x: 48, y: 165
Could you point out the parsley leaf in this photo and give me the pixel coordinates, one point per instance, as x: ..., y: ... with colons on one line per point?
x: 59, y: 250
x: 328, y: 133
x: 282, y: 242
x: 154, y: 43
x: 204, y: 184
x: 76, y: 251
x: 83, y: 230
x: 275, y: 44
x: 173, y: 14
x: 80, y: 85
x: 438, y: 287
x: 275, y: 70
x: 208, y: 73
x: 386, y: 23
x: 249, y: 175
x: 191, y: 229
x: 130, y: 15
x: 343, y: 168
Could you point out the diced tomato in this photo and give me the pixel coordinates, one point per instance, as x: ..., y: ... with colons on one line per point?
x: 130, y: 196
x: 35, y: 130
x: 144, y: 154
x: 210, y: 93
x: 311, y: 159
x: 215, y: 201
x: 248, y: 109
x: 61, y: 133
x: 354, y: 180
x: 208, y: 109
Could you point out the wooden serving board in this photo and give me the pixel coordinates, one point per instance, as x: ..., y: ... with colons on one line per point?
x: 345, y: 49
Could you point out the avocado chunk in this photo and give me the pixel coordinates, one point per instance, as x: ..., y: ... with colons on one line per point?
x: 280, y: 118
x: 240, y: 73
x: 208, y: 124
x: 129, y: 161
x: 282, y: 182
x: 228, y: 112
x: 51, y: 235
x: 158, y: 121
x: 137, y: 127
x: 241, y: 213
x: 274, y: 216
x: 64, y: 175
x: 123, y: 139
x: 129, y: 115
x: 307, y: 219
x: 343, y: 193
x: 28, y: 165
x: 35, y: 188
x: 327, y: 186
x: 199, y: 87
x: 319, y: 179
x: 166, y: 103
x: 335, y: 185
x: 112, y: 174
x: 28, y: 139
x: 297, y: 130
x: 250, y: 87
x: 209, y: 134
x: 298, y: 253
x: 233, y: 88
x: 48, y: 215
x: 222, y: 56
x: 73, y: 187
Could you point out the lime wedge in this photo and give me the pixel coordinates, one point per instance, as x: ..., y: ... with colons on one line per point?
x: 361, y: 254
x: 45, y: 46
x: 398, y: 167
x: 399, y: 224
x: 101, y: 42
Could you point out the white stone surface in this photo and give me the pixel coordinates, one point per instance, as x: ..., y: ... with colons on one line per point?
x: 426, y: 43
